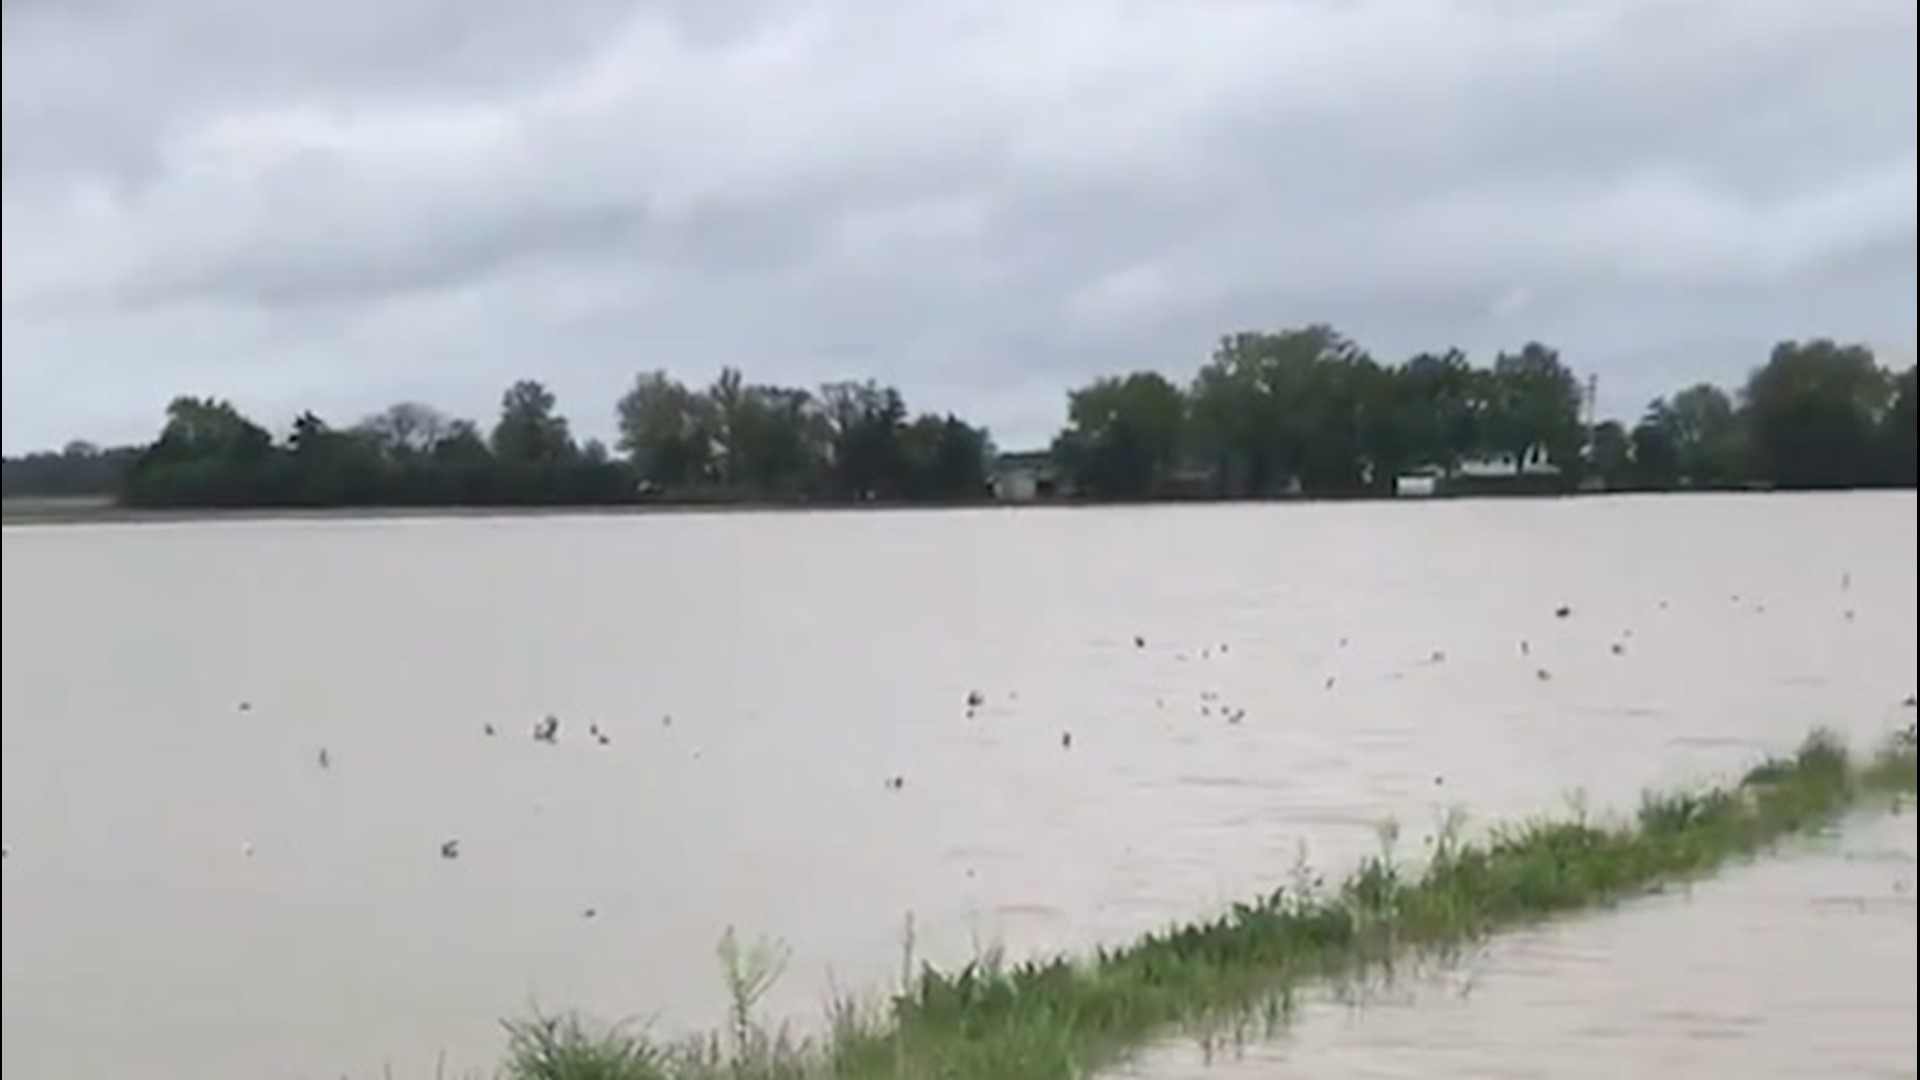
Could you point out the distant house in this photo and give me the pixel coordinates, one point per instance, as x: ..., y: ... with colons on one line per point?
x: 1531, y: 473
x: 1023, y: 477
x: 1420, y: 483
x: 1486, y: 466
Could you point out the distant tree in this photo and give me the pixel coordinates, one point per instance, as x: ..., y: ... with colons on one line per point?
x: 1897, y: 431
x: 462, y: 445
x: 1814, y: 411
x: 946, y: 459
x: 666, y: 431
x: 1707, y: 436
x: 1124, y: 434
x: 1611, y: 455
x: 211, y: 428
x: 775, y: 439
x: 865, y: 425
x: 1269, y: 412
x: 529, y: 432
x: 405, y: 429
x: 1439, y: 403
x: 1536, y: 403
x: 79, y: 469
x: 1261, y: 403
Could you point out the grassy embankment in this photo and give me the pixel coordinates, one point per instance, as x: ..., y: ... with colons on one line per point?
x: 1068, y: 1017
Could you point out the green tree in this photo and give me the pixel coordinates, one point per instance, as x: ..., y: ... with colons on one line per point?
x: 1536, y: 403
x: 946, y: 459
x: 79, y: 469
x: 404, y: 430
x: 1611, y: 455
x: 1656, y: 452
x: 1124, y: 435
x: 529, y: 432
x: 207, y: 428
x: 1706, y: 434
x: 1439, y: 403
x: 1898, y: 431
x: 325, y: 467
x: 462, y: 445
x: 865, y: 423
x: 1814, y: 413
x: 667, y: 431
x: 1270, y: 407
x: 776, y: 440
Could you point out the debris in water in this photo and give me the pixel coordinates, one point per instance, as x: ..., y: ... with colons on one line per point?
x: 1066, y: 740
x: 1525, y: 649
x: 450, y: 849
x: 326, y: 760
x: 547, y: 730
x: 975, y: 699
x: 589, y: 914
x: 1618, y: 649
x: 1139, y: 642
x: 1329, y: 684
x: 487, y: 730
x: 895, y: 783
x: 1438, y: 656
x: 1543, y: 674
x: 245, y: 706
x: 1562, y: 611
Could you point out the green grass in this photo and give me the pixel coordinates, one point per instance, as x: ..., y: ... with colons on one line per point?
x: 1068, y: 1017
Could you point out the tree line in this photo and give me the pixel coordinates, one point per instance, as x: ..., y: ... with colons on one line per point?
x: 1309, y: 411
x: 1300, y: 411
x: 732, y: 441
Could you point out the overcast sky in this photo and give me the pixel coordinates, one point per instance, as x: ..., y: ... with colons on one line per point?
x: 338, y: 205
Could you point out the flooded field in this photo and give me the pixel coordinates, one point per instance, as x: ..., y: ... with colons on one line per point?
x: 235, y: 754
x: 1795, y: 967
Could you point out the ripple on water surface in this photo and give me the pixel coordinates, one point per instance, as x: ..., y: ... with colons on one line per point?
x: 1792, y: 967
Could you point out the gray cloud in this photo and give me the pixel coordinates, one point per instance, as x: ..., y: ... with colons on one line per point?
x: 339, y: 205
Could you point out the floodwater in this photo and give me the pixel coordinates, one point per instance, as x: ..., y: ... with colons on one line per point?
x: 189, y: 893
x: 1792, y: 967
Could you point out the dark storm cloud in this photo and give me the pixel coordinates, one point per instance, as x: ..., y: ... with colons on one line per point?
x: 337, y: 205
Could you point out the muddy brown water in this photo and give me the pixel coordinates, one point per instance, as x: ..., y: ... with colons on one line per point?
x: 188, y: 893
x: 1799, y: 965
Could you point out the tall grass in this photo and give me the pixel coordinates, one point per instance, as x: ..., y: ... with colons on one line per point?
x: 1066, y: 1017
